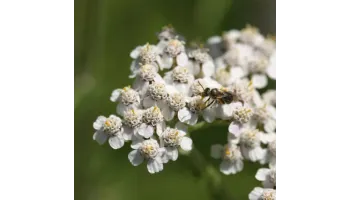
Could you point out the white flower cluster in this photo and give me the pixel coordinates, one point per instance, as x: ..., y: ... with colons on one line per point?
x: 176, y: 86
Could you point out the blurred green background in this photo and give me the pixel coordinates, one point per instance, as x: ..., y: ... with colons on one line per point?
x: 105, y: 32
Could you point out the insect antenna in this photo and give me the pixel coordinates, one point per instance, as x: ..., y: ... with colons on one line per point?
x: 201, y: 85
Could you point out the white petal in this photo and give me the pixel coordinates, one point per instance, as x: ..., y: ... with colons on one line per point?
x: 196, y: 69
x: 148, y: 102
x: 184, y: 114
x: 257, y: 98
x: 272, y: 162
x: 181, y: 126
x: 182, y: 59
x: 234, y: 129
x: 239, y: 165
x: 267, y: 137
x: 168, y: 113
x: 145, y: 130
x: 268, y: 184
x: 256, y: 193
x: 165, y: 62
x: 135, y: 53
x: 225, y: 111
x: 186, y: 144
x: 136, y: 142
x: 236, y: 73
x: 154, y: 166
x: 270, y: 125
x: 116, y: 142
x: 271, y: 69
x: 135, y: 157
x: 121, y: 108
x: 265, y: 157
x: 100, y: 137
x: 208, y: 68
x: 272, y: 110
x: 255, y: 154
x: 160, y: 127
x: 262, y: 173
x: 193, y: 120
x: 115, y: 95
x: 209, y: 115
x: 99, y: 122
x: 214, y: 40
x: 172, y: 153
x: 158, y: 79
x: 216, y: 151
x: 227, y: 167
x: 181, y: 133
x: 165, y: 158
x: 259, y: 80
x: 127, y: 133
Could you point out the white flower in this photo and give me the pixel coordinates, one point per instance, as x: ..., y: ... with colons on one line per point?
x: 176, y: 101
x: 227, y: 76
x: 268, y: 46
x: 171, y: 139
x: 262, y: 194
x: 242, y: 90
x: 133, y: 119
x: 158, y: 95
x: 230, y: 38
x: 147, y: 54
x: 167, y: 33
x: 152, y: 118
x: 201, y: 62
x: 237, y: 56
x: 251, y: 36
x: 263, y: 114
x: 249, y: 140
x: 173, y: 51
x: 231, y: 58
x: 271, y: 69
x: 127, y: 97
x: 269, y: 154
x: 269, y: 97
x: 146, y: 76
x: 267, y: 176
x: 241, y: 115
x: 232, y: 160
x: 147, y: 150
x: 258, y: 65
x: 195, y: 106
x: 110, y: 128
x: 180, y: 78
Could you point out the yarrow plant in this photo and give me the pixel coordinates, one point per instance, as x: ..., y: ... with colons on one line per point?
x: 177, y: 88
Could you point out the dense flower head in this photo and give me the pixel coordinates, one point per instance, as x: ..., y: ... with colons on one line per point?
x: 158, y: 91
x: 176, y: 86
x: 133, y: 118
x: 152, y: 116
x: 148, y: 72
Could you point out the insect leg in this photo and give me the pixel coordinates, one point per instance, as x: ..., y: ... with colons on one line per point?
x: 210, y: 104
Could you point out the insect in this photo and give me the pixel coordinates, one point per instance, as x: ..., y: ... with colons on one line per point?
x: 216, y: 95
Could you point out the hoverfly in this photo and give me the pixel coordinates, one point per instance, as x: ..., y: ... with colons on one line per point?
x: 216, y: 95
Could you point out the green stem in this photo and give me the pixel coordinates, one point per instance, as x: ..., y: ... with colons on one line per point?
x: 206, y: 170
x: 211, y: 175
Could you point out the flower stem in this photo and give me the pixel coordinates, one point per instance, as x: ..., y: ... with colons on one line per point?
x: 211, y: 176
